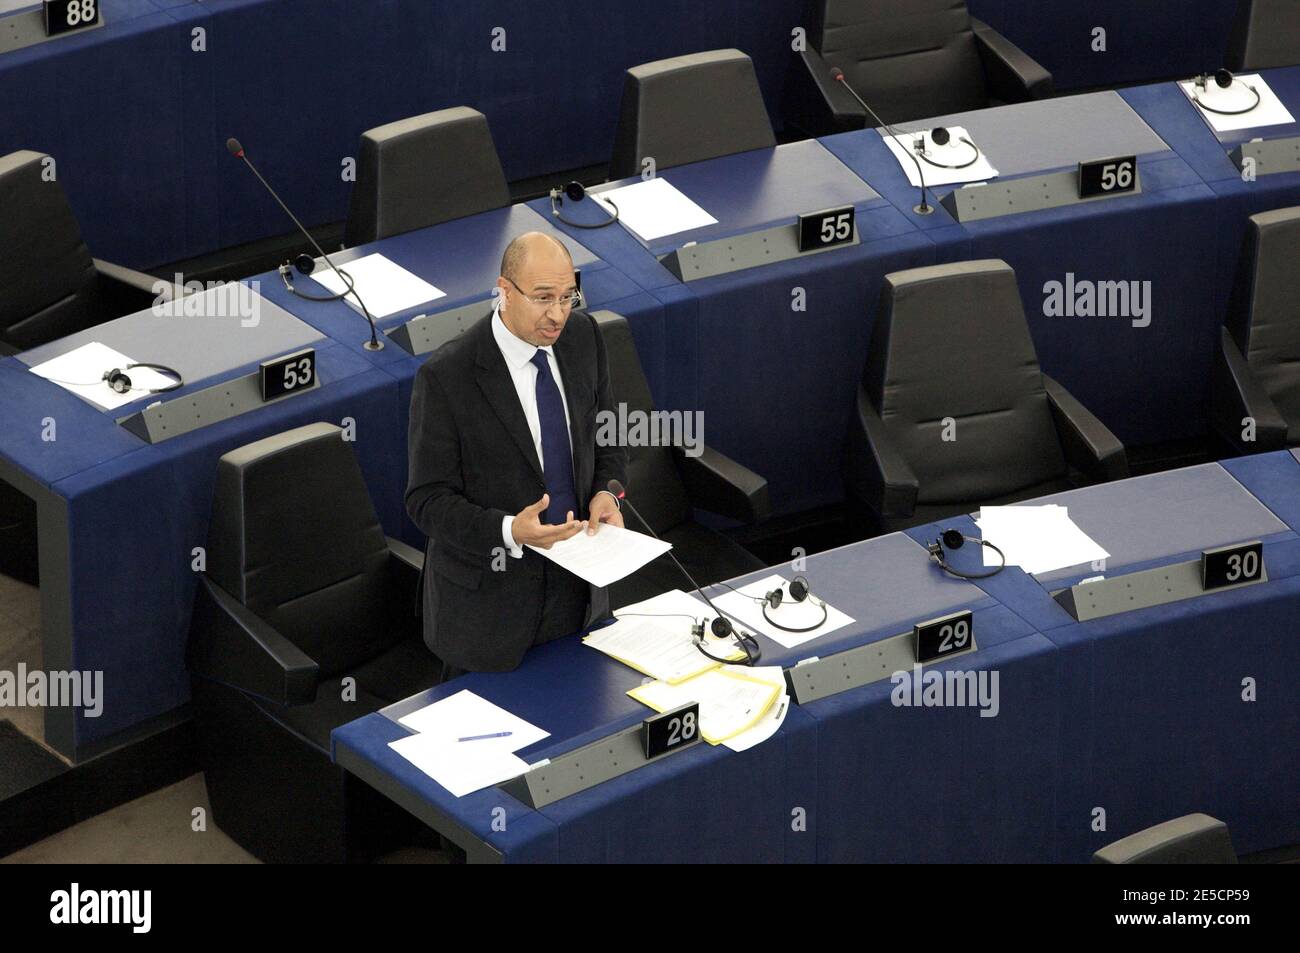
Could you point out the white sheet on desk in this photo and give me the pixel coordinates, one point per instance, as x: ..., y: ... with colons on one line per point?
x: 465, y: 714
x: 793, y: 614
x: 654, y: 208
x: 460, y: 768
x: 1270, y: 112
x: 385, y: 286
x: 654, y: 637
x: 81, y: 371
x: 1036, y: 538
x: 954, y: 153
x: 775, y: 717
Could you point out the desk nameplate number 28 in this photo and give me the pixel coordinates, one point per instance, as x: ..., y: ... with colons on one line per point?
x: 826, y: 229
x: 946, y: 635
x: 288, y: 374
x: 64, y: 16
x: 1232, y: 565
x: 674, y: 729
x: 1107, y: 176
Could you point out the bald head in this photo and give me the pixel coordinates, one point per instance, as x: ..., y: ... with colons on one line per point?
x: 533, y: 245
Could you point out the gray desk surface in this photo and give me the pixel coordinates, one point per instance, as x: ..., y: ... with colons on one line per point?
x: 200, y: 343
x: 1052, y: 133
x: 9, y: 6
x: 1164, y: 514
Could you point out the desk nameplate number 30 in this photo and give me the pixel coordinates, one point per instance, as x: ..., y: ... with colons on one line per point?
x: 946, y: 635
x: 288, y: 374
x: 1107, y: 176
x: 674, y: 729
x: 1232, y: 565
x: 64, y: 16
x: 826, y: 229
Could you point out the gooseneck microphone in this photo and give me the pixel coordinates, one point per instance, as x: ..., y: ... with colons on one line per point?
x: 924, y: 208
x: 237, y: 150
x: 721, y: 626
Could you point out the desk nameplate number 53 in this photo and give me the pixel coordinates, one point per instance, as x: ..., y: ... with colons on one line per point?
x: 64, y: 16
x: 288, y: 374
x: 1232, y: 565
x: 1107, y: 176
x: 678, y: 728
x: 946, y: 635
x: 826, y: 229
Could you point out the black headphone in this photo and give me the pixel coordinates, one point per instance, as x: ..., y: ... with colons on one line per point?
x: 953, y: 539
x: 119, y: 382
x: 305, y: 265
x: 941, y: 137
x: 575, y: 192
x: 1223, y: 78
x: 799, y: 591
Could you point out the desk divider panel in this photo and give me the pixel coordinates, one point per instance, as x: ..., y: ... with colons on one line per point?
x: 725, y: 255
x: 1269, y: 156
x: 20, y: 28
x: 194, y: 411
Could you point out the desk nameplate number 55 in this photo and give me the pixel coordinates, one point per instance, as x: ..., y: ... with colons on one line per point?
x: 288, y: 374
x: 674, y: 729
x: 826, y: 229
x: 946, y: 635
x: 64, y: 16
x: 1107, y: 176
x: 1232, y: 565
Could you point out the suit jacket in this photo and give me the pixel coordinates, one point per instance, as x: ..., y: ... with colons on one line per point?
x: 473, y: 462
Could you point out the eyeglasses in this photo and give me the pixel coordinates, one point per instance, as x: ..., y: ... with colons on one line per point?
x: 546, y: 302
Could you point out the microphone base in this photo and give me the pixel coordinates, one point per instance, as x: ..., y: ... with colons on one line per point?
x: 373, y: 345
x: 923, y: 209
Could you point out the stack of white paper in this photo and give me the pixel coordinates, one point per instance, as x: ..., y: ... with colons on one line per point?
x: 1269, y: 112
x: 956, y: 152
x: 605, y: 558
x: 1038, y: 539
x: 654, y: 208
x: 731, y: 700
x: 791, y: 614
x: 81, y: 371
x: 385, y: 286
x: 769, y: 723
x: 654, y: 637
x: 466, y: 743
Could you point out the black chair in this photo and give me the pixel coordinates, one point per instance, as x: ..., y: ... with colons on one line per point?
x: 1193, y: 839
x: 424, y: 170
x: 1255, y: 379
x: 909, y: 59
x: 664, y: 484
x: 52, y: 287
x: 688, y: 109
x: 302, y: 592
x: 953, y: 410
x: 1265, y: 34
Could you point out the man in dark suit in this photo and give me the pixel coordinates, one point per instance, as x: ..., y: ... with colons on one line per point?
x: 503, y: 454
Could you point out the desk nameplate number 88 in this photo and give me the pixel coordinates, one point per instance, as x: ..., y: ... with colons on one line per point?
x: 64, y: 16
x: 1232, y: 565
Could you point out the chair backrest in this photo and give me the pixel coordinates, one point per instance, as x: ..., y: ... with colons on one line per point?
x: 420, y: 171
x: 295, y: 539
x: 1264, y: 319
x: 688, y: 109
x: 909, y: 59
x: 1193, y: 839
x: 1265, y: 34
x: 953, y: 373
x: 51, y: 288
x: 654, y: 484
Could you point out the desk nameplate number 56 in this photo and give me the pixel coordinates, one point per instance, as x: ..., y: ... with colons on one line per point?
x: 946, y: 635
x: 826, y: 229
x: 1107, y: 176
x: 64, y: 16
x: 288, y: 374
x: 1232, y: 565
x: 674, y: 729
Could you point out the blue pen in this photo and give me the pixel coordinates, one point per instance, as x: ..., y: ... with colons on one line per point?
x: 499, y: 734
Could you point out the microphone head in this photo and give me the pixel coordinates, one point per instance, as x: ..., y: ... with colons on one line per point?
x: 837, y: 74
x: 1223, y: 78
x: 234, y: 148
x: 615, y: 487
x: 940, y: 136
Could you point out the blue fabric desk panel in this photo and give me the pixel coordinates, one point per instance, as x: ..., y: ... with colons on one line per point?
x: 1153, y: 724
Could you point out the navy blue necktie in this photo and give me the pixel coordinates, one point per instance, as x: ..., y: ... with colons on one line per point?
x: 557, y: 457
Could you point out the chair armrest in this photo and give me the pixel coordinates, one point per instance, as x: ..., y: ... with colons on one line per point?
x: 126, y: 291
x: 1088, y: 444
x: 1236, y: 394
x: 716, y: 483
x: 1013, y: 76
x: 128, y: 276
x: 230, y: 645
x: 8, y: 350
x: 406, y: 554
x: 817, y: 104
x: 875, y: 471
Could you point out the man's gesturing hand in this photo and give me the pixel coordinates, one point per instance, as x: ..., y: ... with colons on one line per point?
x: 528, y: 529
x: 603, y: 509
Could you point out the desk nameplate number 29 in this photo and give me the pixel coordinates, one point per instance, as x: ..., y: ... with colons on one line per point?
x: 1232, y: 565
x: 674, y: 729
x: 946, y: 635
x: 288, y: 374
x: 826, y: 229
x: 1107, y: 176
x: 64, y: 16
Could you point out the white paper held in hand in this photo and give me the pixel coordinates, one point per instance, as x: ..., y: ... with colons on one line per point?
x: 606, y: 557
